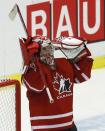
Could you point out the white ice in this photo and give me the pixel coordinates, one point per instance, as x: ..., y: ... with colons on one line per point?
x: 89, y: 103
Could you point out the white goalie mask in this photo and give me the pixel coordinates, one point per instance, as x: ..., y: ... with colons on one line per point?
x: 47, y: 53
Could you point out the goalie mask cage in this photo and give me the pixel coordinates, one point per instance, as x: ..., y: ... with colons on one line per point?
x: 10, y: 105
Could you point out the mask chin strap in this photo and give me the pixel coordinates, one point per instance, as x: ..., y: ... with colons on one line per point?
x: 51, y: 100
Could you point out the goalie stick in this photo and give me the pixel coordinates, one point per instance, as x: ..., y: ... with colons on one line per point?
x: 16, y: 10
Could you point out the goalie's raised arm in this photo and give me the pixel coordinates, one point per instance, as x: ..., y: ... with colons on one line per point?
x: 68, y: 42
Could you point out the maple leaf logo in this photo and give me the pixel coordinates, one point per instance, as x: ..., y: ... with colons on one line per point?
x: 61, y: 84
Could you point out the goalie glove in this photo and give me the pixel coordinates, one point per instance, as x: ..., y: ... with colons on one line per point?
x: 73, y: 48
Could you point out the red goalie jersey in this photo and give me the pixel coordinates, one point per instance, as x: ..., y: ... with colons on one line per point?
x: 56, y: 116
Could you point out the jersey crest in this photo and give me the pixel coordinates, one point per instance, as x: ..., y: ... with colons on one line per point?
x: 62, y: 84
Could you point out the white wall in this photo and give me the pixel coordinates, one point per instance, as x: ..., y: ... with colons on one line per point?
x: 10, y: 31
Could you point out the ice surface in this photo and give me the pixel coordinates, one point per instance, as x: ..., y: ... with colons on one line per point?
x: 89, y: 103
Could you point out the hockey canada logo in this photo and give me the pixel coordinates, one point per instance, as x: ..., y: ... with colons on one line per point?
x: 61, y: 84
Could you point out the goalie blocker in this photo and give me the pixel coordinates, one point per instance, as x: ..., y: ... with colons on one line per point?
x: 60, y: 80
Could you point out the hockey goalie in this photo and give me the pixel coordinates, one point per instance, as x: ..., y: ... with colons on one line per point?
x: 50, y: 80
